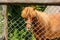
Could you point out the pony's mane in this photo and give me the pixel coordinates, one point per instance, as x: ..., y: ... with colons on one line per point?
x: 40, y: 25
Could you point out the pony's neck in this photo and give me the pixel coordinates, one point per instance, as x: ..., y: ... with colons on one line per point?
x: 44, y: 19
x: 43, y: 15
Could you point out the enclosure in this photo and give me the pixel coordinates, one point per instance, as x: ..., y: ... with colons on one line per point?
x: 12, y: 24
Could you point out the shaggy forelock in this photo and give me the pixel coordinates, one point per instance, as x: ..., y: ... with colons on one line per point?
x: 28, y: 11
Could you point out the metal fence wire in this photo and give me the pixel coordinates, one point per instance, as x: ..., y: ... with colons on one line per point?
x: 18, y: 28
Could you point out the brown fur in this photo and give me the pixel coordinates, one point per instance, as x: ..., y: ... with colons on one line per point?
x: 49, y: 22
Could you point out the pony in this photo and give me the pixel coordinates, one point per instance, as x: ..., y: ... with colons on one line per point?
x: 41, y: 24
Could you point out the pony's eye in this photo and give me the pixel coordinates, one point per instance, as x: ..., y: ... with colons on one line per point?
x: 26, y: 19
x: 33, y: 21
x: 34, y: 9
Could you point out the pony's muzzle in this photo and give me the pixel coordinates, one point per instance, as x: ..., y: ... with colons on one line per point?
x: 28, y: 26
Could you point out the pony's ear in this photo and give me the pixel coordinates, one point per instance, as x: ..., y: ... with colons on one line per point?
x: 33, y: 14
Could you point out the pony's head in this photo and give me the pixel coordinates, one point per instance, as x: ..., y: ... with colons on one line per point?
x: 29, y: 15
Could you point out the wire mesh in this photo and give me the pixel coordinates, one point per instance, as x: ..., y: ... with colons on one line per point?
x: 17, y: 27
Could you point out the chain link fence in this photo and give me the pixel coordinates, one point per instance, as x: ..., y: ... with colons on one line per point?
x: 17, y: 29
x: 17, y: 26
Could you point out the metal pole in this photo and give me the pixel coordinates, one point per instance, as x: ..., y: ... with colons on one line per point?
x: 5, y: 21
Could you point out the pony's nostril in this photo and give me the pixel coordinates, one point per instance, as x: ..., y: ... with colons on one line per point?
x: 28, y: 25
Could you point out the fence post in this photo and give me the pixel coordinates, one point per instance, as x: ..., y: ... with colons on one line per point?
x: 5, y: 21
